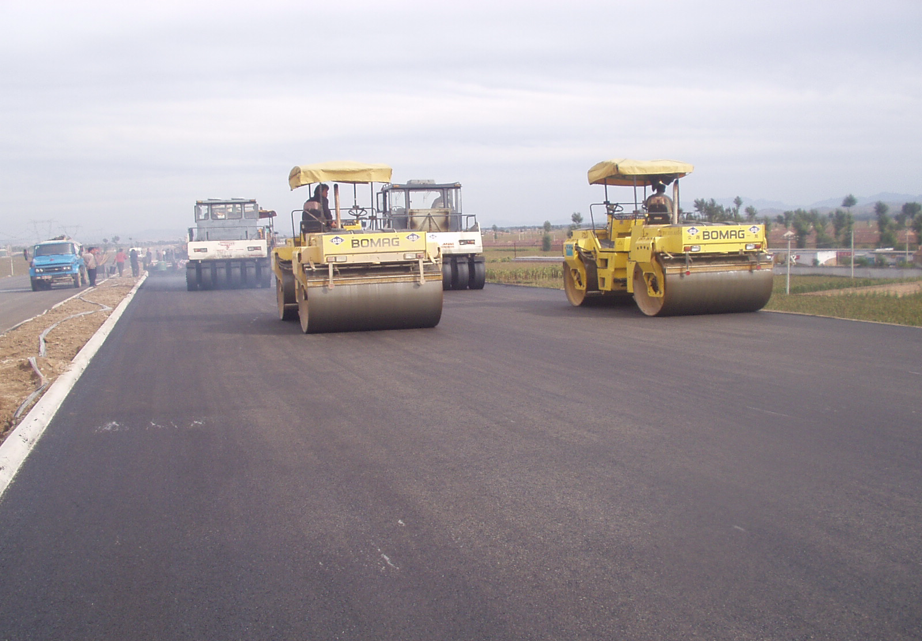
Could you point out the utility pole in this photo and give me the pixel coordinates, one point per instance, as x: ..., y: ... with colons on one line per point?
x: 788, y: 235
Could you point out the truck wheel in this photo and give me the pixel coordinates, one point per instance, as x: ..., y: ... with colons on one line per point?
x: 36, y: 285
x: 191, y: 284
x: 478, y: 275
x: 446, y: 274
x: 76, y: 281
x: 461, y: 275
x: 209, y: 276
x: 234, y: 275
x: 248, y: 275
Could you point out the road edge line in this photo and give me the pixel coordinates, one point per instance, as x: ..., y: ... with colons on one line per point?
x: 20, y: 442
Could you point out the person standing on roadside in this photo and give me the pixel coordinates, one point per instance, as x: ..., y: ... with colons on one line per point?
x: 133, y: 254
x: 101, y: 259
x: 120, y: 259
x: 89, y: 261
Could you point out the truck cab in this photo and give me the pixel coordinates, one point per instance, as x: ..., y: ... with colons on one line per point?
x: 435, y: 208
x: 57, y: 260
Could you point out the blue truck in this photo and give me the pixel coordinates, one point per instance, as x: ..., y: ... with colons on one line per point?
x: 59, y: 260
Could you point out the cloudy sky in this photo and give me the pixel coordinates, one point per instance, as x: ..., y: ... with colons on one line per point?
x: 116, y: 116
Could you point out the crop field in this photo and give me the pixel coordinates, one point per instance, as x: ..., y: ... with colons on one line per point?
x: 877, y: 300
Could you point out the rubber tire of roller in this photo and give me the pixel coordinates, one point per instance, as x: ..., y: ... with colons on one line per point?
x: 461, y: 274
x: 478, y: 275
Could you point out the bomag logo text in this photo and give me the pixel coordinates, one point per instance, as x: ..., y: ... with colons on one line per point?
x: 723, y: 234
x: 369, y: 243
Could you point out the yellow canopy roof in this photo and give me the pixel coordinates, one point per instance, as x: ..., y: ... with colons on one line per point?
x: 338, y: 172
x: 624, y: 171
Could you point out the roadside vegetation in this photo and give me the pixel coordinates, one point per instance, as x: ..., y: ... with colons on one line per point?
x: 883, y: 304
x: 502, y: 269
x: 876, y: 306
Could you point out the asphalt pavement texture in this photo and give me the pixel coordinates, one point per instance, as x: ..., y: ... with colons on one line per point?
x: 19, y: 303
x: 525, y: 470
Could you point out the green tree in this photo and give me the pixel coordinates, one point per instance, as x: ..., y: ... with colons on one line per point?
x: 823, y: 240
x: 711, y: 211
x: 804, y: 222
x: 546, y: 242
x: 848, y: 202
x: 785, y: 219
x: 751, y: 213
x: 914, y: 214
x: 911, y: 210
x: 577, y: 219
x: 885, y: 225
x: 842, y: 223
x: 801, y: 224
x: 547, y: 226
x: 906, y: 218
x: 737, y: 203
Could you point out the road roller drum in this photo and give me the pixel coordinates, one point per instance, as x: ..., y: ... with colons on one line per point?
x: 370, y: 306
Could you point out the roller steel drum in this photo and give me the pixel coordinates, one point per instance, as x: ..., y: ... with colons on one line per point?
x: 707, y: 293
x: 285, y: 297
x: 591, y: 296
x: 370, y: 306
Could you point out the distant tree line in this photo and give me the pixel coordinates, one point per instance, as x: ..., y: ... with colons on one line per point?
x: 802, y: 223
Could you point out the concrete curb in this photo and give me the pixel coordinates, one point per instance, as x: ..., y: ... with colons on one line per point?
x: 19, y: 443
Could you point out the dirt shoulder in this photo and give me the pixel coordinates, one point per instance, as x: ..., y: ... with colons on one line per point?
x: 77, y: 320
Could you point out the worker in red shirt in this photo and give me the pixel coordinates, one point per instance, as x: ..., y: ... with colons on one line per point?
x: 120, y: 259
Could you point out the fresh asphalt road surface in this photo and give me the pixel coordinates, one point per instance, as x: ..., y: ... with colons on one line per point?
x: 526, y: 470
x: 18, y: 302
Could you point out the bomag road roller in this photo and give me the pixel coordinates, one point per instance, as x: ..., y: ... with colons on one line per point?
x: 670, y: 264
x: 354, y: 274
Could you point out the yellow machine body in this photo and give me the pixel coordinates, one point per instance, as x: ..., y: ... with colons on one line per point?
x: 669, y: 267
x: 350, y: 278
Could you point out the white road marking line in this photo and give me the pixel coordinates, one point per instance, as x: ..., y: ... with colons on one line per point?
x: 759, y: 409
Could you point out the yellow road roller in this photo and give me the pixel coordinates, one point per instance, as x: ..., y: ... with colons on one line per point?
x: 670, y: 263
x: 349, y: 272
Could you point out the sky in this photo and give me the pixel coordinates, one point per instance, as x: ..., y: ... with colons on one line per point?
x: 115, y: 117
